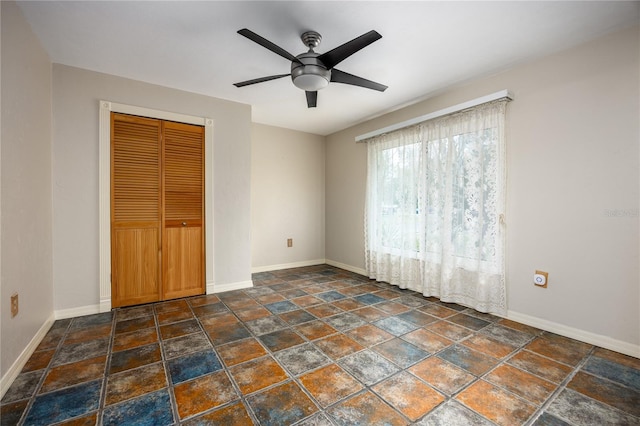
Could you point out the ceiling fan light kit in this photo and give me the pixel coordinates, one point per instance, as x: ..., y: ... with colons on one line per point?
x: 311, y: 81
x: 311, y: 71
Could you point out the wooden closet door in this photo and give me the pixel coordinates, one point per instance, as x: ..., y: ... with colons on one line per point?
x: 183, y: 253
x: 135, y: 210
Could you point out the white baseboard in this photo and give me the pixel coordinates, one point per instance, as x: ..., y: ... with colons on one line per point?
x: 219, y: 288
x: 346, y: 267
x: 575, y: 333
x: 287, y: 265
x: 78, y: 312
x: 7, y: 380
x: 105, y: 305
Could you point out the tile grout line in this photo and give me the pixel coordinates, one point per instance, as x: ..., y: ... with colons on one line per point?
x: 366, y: 387
x: 540, y: 408
x: 473, y: 333
x: 503, y: 362
x: 401, y: 369
x: 244, y: 397
x: 225, y: 368
x: 50, y: 367
x: 579, y: 368
x: 561, y: 387
x: 332, y: 361
x: 165, y: 365
x: 369, y: 388
x: 107, y: 367
x: 38, y: 386
x: 478, y: 378
x: 291, y: 377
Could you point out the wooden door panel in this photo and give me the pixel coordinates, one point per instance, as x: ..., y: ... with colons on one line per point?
x: 183, y: 257
x: 136, y: 210
x: 134, y: 270
x: 183, y: 261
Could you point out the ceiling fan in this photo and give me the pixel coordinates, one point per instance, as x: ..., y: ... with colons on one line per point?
x: 312, y: 71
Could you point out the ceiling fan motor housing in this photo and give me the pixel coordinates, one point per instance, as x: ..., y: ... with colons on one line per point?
x: 311, y: 75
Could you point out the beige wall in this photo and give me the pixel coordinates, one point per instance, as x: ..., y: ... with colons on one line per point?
x: 573, y: 159
x: 287, y: 197
x: 25, y: 185
x: 76, y: 95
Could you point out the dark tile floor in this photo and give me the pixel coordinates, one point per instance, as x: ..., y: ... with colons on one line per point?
x: 317, y: 346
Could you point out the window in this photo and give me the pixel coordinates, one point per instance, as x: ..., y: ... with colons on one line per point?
x: 473, y: 218
x: 399, y: 200
x: 435, y: 199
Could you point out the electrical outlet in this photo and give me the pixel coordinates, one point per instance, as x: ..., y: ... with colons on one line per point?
x: 540, y: 279
x: 14, y: 305
x: 289, y: 242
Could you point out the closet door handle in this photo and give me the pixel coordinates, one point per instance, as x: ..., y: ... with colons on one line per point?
x: 184, y: 223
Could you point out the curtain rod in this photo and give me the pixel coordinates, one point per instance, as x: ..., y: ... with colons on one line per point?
x: 469, y: 104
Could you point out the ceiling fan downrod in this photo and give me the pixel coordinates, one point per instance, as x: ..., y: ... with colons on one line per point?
x: 311, y: 39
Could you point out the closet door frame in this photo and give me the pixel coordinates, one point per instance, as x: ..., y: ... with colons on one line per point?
x: 106, y: 107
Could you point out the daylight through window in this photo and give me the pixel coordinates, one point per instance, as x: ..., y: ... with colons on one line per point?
x: 435, y: 203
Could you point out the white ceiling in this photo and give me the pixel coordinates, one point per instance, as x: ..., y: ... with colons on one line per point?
x: 426, y: 46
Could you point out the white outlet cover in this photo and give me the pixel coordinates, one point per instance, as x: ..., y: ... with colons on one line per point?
x: 539, y: 279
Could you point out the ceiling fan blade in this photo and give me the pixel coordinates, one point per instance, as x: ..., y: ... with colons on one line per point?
x: 333, y: 57
x: 338, y: 76
x: 312, y: 99
x: 267, y: 44
x: 259, y: 80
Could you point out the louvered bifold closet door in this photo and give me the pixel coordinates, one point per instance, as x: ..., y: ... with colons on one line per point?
x: 136, y: 215
x: 183, y: 254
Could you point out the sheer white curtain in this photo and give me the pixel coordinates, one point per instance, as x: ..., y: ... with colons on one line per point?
x: 434, y: 209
